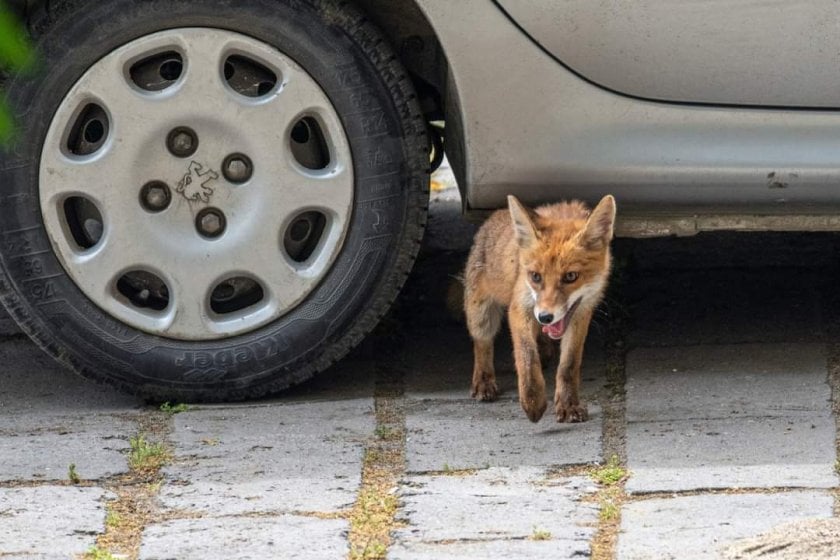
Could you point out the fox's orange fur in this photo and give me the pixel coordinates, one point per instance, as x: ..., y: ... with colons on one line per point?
x: 538, y: 263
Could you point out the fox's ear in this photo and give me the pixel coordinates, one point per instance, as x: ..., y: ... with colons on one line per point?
x: 599, y: 227
x: 523, y: 223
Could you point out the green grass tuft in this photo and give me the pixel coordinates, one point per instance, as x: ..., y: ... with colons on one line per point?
x: 171, y: 409
x: 72, y: 474
x: 96, y: 553
x: 611, y: 473
x: 145, y: 455
x: 540, y: 535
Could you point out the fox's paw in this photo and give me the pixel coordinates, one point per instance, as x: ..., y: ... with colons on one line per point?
x: 534, y: 406
x: 485, y: 391
x: 571, y: 413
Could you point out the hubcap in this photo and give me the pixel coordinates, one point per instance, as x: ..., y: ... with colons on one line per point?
x: 238, y: 220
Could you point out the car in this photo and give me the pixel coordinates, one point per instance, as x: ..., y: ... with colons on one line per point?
x: 209, y: 200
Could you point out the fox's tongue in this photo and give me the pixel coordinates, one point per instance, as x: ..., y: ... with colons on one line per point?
x: 556, y: 330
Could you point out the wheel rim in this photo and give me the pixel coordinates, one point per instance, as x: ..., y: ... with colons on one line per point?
x: 196, y: 184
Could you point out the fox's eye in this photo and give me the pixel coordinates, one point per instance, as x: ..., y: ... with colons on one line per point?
x: 536, y: 277
x: 570, y: 277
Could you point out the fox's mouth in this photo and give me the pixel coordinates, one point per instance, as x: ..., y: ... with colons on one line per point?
x: 556, y: 329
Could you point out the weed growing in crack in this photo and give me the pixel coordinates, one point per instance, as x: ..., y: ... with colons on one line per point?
x: 96, y: 553
x: 113, y: 519
x: 72, y: 474
x: 610, y: 496
x: 145, y: 455
x: 609, y: 507
x: 385, y: 432
x: 540, y: 534
x: 172, y: 409
x: 610, y: 474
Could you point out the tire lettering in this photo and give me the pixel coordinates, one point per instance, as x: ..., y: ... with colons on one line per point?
x: 349, y: 78
x: 378, y: 158
x: 32, y: 268
x: 16, y: 247
x: 374, y: 124
x: 363, y: 100
x: 207, y: 365
x: 42, y: 291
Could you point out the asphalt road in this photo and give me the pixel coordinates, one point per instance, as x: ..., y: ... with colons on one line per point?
x: 710, y: 377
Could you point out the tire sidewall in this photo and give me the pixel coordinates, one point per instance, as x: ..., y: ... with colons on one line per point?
x: 319, y: 37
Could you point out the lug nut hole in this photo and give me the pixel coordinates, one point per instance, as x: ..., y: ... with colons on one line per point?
x: 210, y: 223
x: 155, y: 196
x: 182, y: 141
x: 237, y: 168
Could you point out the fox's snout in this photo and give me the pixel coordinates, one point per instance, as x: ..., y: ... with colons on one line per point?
x: 547, y: 315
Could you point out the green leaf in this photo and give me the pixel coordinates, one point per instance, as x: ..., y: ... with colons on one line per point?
x: 16, y: 55
x: 16, y: 52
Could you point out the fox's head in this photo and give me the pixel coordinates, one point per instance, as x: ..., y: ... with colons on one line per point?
x: 565, y: 258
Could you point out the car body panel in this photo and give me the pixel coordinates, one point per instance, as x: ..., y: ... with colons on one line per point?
x: 757, y: 52
x: 523, y: 124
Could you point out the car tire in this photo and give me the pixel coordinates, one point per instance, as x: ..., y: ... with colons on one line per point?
x: 112, y: 323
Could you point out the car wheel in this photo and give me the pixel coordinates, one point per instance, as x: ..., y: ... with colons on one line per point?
x: 209, y: 200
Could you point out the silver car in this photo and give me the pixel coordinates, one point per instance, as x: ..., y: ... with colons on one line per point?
x: 213, y: 200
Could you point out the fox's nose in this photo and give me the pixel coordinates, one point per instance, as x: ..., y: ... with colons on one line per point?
x: 545, y: 318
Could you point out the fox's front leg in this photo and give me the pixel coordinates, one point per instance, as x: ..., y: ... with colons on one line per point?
x: 567, y: 404
x: 524, y: 331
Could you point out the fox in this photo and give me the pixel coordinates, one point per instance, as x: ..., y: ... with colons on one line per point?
x: 549, y: 268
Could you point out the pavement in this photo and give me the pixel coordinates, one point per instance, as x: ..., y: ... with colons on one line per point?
x: 711, y: 377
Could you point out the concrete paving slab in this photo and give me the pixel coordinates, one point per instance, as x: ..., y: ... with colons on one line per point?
x: 520, y: 549
x: 43, y: 447
x: 50, y: 418
x: 742, y: 453
x: 281, y: 458
x: 50, y: 522
x: 699, y: 527
x: 738, y: 306
x: 716, y: 416
x: 32, y: 382
x: 234, y: 538
x: 499, y: 506
x: 656, y: 479
x: 470, y: 434
x: 721, y: 381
